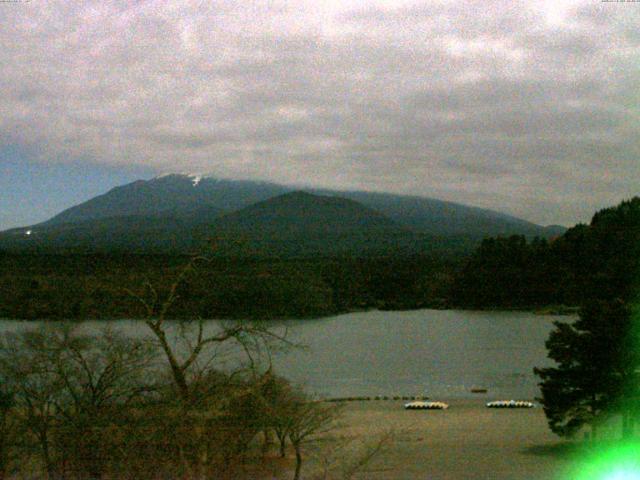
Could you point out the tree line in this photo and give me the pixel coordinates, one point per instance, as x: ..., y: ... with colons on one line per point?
x: 75, y: 287
x: 598, y: 260
x: 596, y: 376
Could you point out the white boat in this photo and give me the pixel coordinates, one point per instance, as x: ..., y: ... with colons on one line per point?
x: 510, y: 404
x: 426, y: 406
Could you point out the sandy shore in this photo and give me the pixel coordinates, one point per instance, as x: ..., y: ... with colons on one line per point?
x: 467, y: 441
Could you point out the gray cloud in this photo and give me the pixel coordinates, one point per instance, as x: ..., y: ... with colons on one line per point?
x: 526, y: 107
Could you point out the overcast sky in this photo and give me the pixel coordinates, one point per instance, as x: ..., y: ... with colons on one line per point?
x: 527, y: 107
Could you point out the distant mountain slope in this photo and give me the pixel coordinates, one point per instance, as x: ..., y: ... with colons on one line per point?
x: 295, y: 224
x: 553, y: 231
x: 170, y: 195
x: 178, y: 195
x: 442, y: 218
x: 135, y: 234
x: 178, y: 213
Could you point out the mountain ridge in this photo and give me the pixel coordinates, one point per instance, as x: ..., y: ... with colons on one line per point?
x: 177, y: 193
x: 176, y: 212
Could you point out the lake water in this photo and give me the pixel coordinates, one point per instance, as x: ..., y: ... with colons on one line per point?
x: 439, y: 353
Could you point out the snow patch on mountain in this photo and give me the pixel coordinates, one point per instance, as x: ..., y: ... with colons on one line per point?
x: 195, y: 178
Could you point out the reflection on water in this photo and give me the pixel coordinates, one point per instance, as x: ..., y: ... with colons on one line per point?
x: 439, y: 353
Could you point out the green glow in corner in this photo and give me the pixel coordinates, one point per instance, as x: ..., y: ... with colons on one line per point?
x: 623, y: 475
x: 613, y: 462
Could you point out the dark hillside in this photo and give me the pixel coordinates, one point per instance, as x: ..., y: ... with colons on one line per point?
x: 301, y: 224
x: 599, y: 260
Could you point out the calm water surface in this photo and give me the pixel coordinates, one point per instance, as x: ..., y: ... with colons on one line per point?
x: 439, y: 353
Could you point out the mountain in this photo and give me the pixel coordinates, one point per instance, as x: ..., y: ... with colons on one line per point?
x: 186, y: 195
x: 170, y: 195
x: 439, y: 217
x: 178, y: 213
x: 135, y: 234
x: 303, y: 212
x: 294, y: 224
x: 304, y: 224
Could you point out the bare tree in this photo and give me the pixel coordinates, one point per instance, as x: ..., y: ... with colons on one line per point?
x: 307, y: 418
x: 25, y: 364
x: 250, y: 336
x: 103, y: 375
x: 68, y: 387
x: 218, y: 414
x: 279, y: 396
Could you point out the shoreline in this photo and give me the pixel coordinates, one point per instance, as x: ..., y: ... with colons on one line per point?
x: 466, y: 441
x: 550, y: 310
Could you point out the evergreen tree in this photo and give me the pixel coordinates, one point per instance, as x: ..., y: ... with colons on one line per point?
x: 597, y: 369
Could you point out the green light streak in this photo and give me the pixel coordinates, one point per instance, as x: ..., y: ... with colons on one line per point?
x: 620, y: 461
x: 613, y: 460
x: 608, y: 459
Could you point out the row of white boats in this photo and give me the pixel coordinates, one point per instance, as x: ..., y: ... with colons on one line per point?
x: 419, y: 405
